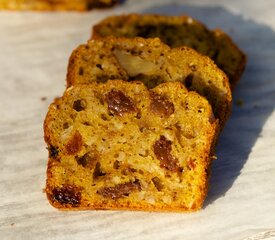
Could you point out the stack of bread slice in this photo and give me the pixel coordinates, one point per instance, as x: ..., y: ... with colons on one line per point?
x: 177, y: 31
x: 137, y: 126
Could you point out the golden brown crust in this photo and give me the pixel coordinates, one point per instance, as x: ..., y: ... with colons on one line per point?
x: 152, y: 62
x: 75, y: 185
x: 236, y: 55
x: 56, y: 5
x: 177, y: 31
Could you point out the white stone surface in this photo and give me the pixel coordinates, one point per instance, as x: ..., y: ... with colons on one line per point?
x: 34, y: 50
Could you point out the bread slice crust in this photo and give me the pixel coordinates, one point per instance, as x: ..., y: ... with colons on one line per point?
x: 152, y: 62
x: 118, y: 145
x: 177, y: 31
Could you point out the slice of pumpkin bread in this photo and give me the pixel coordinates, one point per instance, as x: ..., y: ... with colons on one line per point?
x: 118, y: 145
x: 55, y: 5
x: 152, y: 62
x: 177, y: 31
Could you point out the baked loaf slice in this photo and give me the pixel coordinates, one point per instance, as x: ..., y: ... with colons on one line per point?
x: 49, y: 5
x: 118, y: 145
x: 177, y: 31
x: 153, y: 62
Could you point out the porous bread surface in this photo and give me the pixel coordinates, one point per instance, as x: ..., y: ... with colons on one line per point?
x: 49, y: 5
x: 152, y: 62
x: 177, y: 31
x: 118, y: 145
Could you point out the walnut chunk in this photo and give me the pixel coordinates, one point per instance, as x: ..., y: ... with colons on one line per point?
x: 67, y: 194
x: 120, y: 190
x: 74, y: 145
x: 162, y: 149
x: 135, y: 65
x: 161, y: 105
x: 119, y: 104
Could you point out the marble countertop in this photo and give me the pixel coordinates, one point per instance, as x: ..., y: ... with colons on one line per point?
x: 34, y: 52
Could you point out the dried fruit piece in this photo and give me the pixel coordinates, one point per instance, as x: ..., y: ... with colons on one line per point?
x: 135, y: 65
x: 157, y: 182
x: 161, y: 105
x: 74, y: 144
x: 98, y: 171
x: 79, y: 105
x: 162, y: 149
x: 119, y: 104
x: 53, y: 151
x: 119, y: 190
x: 67, y: 194
x: 88, y: 159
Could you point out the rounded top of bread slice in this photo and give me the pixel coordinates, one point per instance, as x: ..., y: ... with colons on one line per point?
x: 177, y: 31
x: 120, y: 145
x: 152, y: 62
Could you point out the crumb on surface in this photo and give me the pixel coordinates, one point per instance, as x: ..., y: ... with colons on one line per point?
x: 43, y: 99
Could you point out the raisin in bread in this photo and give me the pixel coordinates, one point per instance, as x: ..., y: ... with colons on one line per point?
x: 178, y: 31
x: 49, y: 5
x: 118, y: 145
x: 153, y: 62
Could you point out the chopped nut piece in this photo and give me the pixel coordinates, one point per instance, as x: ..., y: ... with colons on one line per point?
x: 135, y: 65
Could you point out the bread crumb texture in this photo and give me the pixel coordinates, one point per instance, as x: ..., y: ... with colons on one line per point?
x: 151, y: 61
x: 119, y: 145
x: 178, y: 31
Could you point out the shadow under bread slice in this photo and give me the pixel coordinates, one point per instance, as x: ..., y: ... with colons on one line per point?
x: 152, y: 62
x: 119, y: 145
x: 177, y: 31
